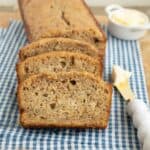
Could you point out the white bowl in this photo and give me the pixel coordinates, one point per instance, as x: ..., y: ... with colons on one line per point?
x: 123, y: 31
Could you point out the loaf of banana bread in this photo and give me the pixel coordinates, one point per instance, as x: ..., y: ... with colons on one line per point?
x: 64, y: 100
x: 61, y: 18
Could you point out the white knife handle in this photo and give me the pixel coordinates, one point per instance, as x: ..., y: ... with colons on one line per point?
x: 140, y: 114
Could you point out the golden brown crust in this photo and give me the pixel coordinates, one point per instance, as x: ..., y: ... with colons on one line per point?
x: 110, y: 98
x: 79, y: 29
x: 64, y: 123
x: 90, y: 60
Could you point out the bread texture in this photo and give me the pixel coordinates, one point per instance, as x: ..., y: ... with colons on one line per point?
x: 59, y: 44
x: 57, y: 62
x: 61, y: 18
x: 73, y: 99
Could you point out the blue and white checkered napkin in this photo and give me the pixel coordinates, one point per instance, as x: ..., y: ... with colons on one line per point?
x: 120, y: 134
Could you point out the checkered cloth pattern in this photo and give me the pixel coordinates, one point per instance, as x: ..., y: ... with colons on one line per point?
x: 120, y: 133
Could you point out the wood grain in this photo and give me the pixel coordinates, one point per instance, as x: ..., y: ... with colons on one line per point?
x: 5, y: 17
x: 144, y: 42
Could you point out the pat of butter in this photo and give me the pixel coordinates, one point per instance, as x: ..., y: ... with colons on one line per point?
x: 121, y: 82
x: 120, y: 76
x: 128, y: 17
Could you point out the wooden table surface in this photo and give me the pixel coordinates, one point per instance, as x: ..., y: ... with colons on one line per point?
x: 5, y: 16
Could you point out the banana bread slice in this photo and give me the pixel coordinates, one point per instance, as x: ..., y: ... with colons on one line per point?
x: 61, y: 18
x: 59, y: 44
x: 56, y: 62
x: 64, y: 100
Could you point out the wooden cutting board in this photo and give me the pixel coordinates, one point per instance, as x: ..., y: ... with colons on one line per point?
x: 5, y: 16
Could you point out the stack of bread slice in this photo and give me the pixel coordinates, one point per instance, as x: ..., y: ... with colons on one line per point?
x: 60, y: 71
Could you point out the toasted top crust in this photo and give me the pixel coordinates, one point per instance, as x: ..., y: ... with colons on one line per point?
x: 57, y: 17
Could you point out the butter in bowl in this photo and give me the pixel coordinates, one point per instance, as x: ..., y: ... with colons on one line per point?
x: 127, y: 24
